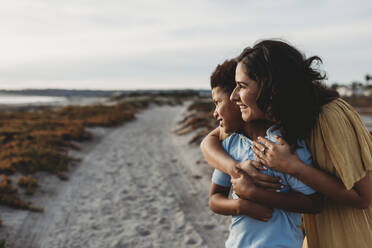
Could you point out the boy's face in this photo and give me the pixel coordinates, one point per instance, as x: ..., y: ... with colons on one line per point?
x: 226, y: 112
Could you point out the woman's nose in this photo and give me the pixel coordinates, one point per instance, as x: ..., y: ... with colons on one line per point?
x: 234, y: 95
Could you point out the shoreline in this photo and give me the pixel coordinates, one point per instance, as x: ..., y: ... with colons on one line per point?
x: 75, y: 101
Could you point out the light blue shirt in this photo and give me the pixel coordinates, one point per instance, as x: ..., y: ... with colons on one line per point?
x: 283, y: 229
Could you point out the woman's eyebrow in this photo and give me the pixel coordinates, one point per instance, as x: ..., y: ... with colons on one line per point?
x: 241, y: 82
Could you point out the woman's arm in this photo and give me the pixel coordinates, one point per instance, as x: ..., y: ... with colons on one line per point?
x: 221, y: 204
x: 217, y: 157
x: 291, y: 201
x: 280, y: 157
x: 360, y: 196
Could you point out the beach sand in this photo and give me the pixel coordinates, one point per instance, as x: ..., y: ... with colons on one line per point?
x: 138, y: 185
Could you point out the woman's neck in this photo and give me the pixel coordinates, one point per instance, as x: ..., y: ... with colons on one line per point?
x: 255, y: 129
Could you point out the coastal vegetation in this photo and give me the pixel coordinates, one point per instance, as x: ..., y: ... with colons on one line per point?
x: 39, y: 139
x: 200, y: 121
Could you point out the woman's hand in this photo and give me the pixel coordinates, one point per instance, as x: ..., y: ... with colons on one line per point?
x: 252, y: 168
x: 243, y: 185
x: 280, y: 157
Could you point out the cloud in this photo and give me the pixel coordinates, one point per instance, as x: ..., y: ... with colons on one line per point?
x: 155, y: 43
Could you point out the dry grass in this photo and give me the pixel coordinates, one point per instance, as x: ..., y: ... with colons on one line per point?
x: 199, y: 117
x: 9, y: 196
x: 359, y: 101
x: 27, y: 182
x: 39, y: 140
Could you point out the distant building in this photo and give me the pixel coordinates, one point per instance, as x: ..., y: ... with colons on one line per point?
x: 367, y: 92
x: 344, y: 90
x: 356, y: 90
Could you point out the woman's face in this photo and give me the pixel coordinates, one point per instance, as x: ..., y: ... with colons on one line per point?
x: 245, y: 95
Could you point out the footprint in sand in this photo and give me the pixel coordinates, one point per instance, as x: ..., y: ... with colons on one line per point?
x: 106, y: 208
x: 142, y: 231
x: 119, y: 244
x: 190, y: 241
x: 209, y: 226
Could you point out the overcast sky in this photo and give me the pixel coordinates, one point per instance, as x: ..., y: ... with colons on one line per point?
x: 112, y: 44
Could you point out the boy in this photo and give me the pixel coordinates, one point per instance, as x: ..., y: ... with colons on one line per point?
x: 255, y: 224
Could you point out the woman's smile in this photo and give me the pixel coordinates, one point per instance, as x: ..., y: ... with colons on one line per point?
x: 246, y: 94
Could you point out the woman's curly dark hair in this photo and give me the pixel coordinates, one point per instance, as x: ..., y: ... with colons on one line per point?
x: 292, y: 92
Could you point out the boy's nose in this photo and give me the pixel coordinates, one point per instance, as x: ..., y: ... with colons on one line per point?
x: 215, y: 115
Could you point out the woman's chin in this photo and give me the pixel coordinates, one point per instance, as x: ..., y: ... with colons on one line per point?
x: 246, y: 117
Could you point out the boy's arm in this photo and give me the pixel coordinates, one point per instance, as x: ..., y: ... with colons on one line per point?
x: 221, y: 204
x: 291, y: 201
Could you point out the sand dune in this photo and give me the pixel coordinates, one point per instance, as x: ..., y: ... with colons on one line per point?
x: 138, y: 185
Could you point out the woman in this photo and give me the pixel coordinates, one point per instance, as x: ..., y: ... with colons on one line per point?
x: 291, y: 95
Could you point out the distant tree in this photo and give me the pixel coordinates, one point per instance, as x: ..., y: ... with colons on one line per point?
x: 356, y: 84
x: 368, y: 77
x: 334, y: 86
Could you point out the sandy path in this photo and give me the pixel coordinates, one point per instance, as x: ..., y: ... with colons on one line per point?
x: 140, y: 186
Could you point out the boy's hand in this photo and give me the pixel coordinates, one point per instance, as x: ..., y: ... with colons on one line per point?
x: 243, y: 185
x: 254, y: 210
x: 252, y: 168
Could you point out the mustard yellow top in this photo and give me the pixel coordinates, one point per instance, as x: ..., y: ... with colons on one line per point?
x: 341, y: 145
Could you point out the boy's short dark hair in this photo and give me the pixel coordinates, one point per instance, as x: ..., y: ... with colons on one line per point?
x: 224, y: 76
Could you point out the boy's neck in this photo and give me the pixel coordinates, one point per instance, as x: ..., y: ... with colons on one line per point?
x: 255, y: 129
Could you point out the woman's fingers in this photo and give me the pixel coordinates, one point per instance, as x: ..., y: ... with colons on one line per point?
x: 269, y: 144
x: 234, y: 181
x: 259, y: 155
x: 235, y: 172
x: 272, y: 190
x: 258, y: 165
x: 267, y: 185
x: 258, y: 146
x: 266, y: 178
x: 249, y: 166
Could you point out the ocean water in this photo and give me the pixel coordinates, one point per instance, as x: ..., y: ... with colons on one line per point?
x: 14, y: 100
x: 368, y: 121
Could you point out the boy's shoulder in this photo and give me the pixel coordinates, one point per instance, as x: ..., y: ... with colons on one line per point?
x: 234, y: 139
